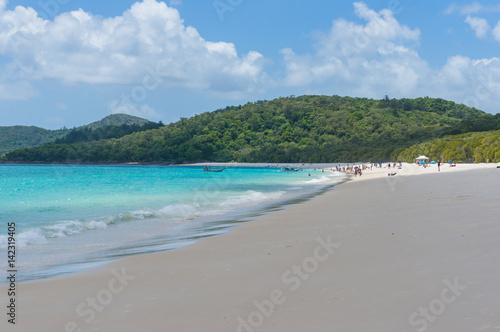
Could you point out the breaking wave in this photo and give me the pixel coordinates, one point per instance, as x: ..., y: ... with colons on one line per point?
x: 200, y: 207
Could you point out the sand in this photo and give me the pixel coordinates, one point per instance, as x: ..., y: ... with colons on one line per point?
x: 414, y: 252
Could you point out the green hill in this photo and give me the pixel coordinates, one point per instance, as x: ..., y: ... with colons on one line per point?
x: 16, y: 137
x: 291, y: 129
x: 479, y: 147
x: 86, y: 134
x: 117, y: 120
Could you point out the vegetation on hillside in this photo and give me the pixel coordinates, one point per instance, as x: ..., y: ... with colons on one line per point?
x: 112, y: 126
x: 16, y: 137
x: 86, y: 134
x: 292, y: 129
x: 116, y: 120
x: 478, y: 146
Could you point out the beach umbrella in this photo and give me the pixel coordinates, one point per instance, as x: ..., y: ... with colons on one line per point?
x: 433, y: 162
x: 422, y: 158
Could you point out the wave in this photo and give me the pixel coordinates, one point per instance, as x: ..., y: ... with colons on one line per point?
x: 251, y: 196
x: 40, y: 235
x: 199, y: 207
x: 322, y: 179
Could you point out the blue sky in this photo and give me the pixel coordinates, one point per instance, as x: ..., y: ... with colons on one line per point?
x: 71, y: 62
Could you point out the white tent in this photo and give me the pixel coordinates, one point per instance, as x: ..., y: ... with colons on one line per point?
x: 422, y: 158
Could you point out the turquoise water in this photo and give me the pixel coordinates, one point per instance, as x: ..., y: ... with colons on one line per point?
x: 71, y: 217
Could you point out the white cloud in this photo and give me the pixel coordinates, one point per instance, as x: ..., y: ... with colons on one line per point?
x: 361, y: 58
x: 380, y: 57
x: 472, y: 82
x: 78, y: 47
x: 472, y: 8
x: 479, y: 25
x: 496, y: 32
x: 346, y: 38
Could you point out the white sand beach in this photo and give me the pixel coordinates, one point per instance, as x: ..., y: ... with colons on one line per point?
x: 418, y: 251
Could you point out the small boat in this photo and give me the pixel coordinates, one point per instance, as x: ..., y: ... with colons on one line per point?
x: 213, y: 169
x: 290, y: 169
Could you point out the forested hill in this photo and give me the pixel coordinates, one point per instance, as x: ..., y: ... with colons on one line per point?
x: 116, y: 120
x: 115, y: 125
x: 476, y: 147
x: 291, y: 129
x: 15, y: 137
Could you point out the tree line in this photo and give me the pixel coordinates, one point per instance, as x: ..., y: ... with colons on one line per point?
x: 479, y: 147
x: 288, y: 129
x: 87, y: 134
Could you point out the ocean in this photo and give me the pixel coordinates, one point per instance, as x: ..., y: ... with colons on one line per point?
x: 70, y: 218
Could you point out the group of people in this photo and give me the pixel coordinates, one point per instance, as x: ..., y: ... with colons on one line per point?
x: 352, y: 169
x: 426, y: 164
x: 394, y: 165
x: 358, y: 169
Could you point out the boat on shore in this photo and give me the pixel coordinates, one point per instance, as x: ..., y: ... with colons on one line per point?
x: 213, y: 169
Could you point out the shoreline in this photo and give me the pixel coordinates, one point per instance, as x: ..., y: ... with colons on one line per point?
x: 214, y: 284
x: 206, y: 226
x: 459, y: 166
x: 225, y: 164
x: 177, y: 224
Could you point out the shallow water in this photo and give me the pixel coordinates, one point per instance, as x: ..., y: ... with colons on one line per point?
x: 70, y: 218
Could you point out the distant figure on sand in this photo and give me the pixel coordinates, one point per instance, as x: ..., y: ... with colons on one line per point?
x: 439, y: 165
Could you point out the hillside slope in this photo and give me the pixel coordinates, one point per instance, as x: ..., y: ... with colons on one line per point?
x: 16, y: 137
x: 116, y: 120
x: 291, y: 129
x: 479, y: 147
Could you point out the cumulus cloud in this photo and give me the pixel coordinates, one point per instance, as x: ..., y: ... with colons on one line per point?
x: 479, y: 25
x: 496, y: 32
x: 471, y: 81
x: 78, y: 47
x: 149, y: 47
x: 361, y: 58
x: 379, y: 57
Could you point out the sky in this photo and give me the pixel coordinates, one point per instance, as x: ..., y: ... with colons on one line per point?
x: 66, y: 63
